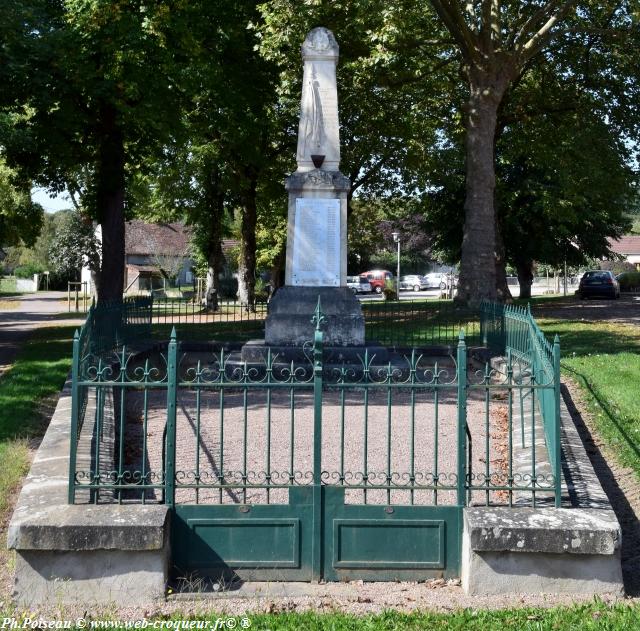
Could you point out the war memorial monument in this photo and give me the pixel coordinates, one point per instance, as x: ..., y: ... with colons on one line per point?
x: 316, y: 264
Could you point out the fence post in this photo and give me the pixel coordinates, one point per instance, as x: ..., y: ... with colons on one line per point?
x: 316, y: 560
x: 462, y: 417
x: 483, y: 323
x: 75, y: 421
x: 557, y: 465
x: 172, y: 391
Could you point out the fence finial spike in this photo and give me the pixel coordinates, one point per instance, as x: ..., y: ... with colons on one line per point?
x: 461, y: 335
x: 318, y: 317
x: 173, y: 333
x: 76, y: 335
x: 556, y: 339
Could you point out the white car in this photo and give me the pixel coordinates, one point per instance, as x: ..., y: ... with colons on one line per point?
x: 437, y: 280
x: 359, y: 284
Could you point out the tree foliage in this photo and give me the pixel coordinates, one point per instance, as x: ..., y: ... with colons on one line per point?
x: 507, y: 125
x: 73, y: 247
x: 20, y: 218
x: 99, y: 98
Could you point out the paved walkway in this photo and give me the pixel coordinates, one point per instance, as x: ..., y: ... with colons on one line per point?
x: 31, y: 312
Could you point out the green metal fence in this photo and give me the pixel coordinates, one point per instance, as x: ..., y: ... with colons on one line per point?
x: 403, y: 323
x: 527, y: 380
x: 513, y: 332
x: 419, y: 323
x: 260, y: 462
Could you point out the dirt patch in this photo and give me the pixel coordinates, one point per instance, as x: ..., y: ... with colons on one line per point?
x: 625, y: 310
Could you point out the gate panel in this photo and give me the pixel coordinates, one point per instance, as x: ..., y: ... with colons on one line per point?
x: 386, y: 449
x: 389, y: 543
x: 240, y: 542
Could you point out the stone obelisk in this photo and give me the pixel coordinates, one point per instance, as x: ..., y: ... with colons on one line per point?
x: 316, y: 264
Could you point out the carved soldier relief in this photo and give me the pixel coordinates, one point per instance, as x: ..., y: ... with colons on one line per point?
x: 318, y: 130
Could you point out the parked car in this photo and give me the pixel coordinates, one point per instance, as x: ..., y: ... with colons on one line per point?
x: 359, y: 284
x: 599, y: 283
x: 413, y: 282
x: 437, y: 280
x: 377, y: 279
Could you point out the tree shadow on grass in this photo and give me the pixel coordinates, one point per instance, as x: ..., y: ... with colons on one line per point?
x: 625, y: 513
x: 580, y: 338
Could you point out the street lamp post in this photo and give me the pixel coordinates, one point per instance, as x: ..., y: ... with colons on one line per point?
x: 396, y: 238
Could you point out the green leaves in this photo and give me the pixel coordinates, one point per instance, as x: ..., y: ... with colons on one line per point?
x: 73, y: 246
x: 20, y: 218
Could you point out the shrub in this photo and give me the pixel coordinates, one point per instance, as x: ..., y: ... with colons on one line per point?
x: 629, y: 281
x: 617, y: 267
x: 261, y: 290
x: 28, y: 270
x: 389, y: 290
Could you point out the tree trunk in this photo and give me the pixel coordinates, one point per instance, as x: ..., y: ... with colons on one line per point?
x: 524, y: 269
x: 110, y: 205
x: 478, y: 258
x: 277, y: 272
x: 95, y: 281
x: 247, y: 262
x: 215, y: 256
x: 503, y: 292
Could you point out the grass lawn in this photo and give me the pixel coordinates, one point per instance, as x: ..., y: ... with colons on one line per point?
x: 211, y: 331
x: 38, y: 372
x: 7, y: 286
x: 604, y: 359
x: 593, y: 616
x: 579, y: 617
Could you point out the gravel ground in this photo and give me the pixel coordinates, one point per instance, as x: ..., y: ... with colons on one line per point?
x: 379, y: 447
x: 351, y: 598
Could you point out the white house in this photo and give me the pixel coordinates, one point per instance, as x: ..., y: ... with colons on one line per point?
x: 629, y: 247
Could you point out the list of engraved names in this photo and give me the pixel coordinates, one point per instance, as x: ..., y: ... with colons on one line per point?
x: 316, y: 247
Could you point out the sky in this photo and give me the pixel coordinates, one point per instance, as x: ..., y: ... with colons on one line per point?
x: 50, y: 204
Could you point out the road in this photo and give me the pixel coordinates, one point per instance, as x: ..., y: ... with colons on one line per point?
x: 625, y: 310
x: 26, y: 313
x: 538, y: 289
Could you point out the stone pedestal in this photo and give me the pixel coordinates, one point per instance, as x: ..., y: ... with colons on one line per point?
x: 290, y: 311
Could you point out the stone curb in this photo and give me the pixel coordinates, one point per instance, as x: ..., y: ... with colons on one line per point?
x: 572, y: 549
x: 87, y: 553
x: 552, y: 530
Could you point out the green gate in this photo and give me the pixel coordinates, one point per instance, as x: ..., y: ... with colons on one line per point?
x: 324, y: 521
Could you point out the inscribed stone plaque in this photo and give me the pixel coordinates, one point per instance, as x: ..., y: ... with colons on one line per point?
x: 316, y: 243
